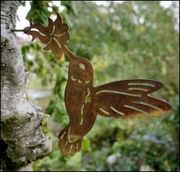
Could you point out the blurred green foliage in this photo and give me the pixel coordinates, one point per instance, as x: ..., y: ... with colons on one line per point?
x: 123, y: 41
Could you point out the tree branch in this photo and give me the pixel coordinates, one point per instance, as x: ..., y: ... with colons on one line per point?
x: 21, y: 136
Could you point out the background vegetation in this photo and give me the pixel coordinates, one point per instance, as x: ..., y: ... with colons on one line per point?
x: 122, y: 40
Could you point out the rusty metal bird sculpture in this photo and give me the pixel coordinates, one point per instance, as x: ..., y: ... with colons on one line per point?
x: 84, y: 101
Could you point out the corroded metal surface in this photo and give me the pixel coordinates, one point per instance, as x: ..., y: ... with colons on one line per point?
x: 120, y: 99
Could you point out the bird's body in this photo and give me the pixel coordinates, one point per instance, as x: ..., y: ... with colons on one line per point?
x: 79, y: 101
x: 79, y: 94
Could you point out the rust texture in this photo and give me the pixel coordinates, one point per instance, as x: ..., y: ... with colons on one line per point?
x: 120, y: 99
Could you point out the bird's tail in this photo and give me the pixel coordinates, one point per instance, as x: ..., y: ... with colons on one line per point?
x: 66, y: 146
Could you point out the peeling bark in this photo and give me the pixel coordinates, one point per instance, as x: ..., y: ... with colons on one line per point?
x: 22, y: 139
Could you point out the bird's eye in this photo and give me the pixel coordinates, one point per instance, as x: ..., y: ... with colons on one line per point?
x: 82, y: 66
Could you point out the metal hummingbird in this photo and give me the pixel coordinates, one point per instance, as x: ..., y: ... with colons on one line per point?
x: 120, y: 99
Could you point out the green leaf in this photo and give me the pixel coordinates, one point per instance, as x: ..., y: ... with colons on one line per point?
x: 86, y: 145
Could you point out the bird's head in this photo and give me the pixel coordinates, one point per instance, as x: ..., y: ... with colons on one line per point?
x: 81, y: 71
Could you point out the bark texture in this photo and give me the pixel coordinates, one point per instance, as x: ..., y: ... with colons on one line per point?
x: 22, y: 139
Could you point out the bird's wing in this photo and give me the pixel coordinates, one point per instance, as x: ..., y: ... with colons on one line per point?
x: 128, y: 98
x: 67, y: 148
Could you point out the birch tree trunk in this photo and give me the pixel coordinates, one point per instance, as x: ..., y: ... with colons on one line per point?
x: 22, y: 139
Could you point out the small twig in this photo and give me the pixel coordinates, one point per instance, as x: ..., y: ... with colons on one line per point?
x: 18, y: 30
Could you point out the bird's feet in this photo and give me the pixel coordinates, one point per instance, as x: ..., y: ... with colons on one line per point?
x: 68, y: 144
